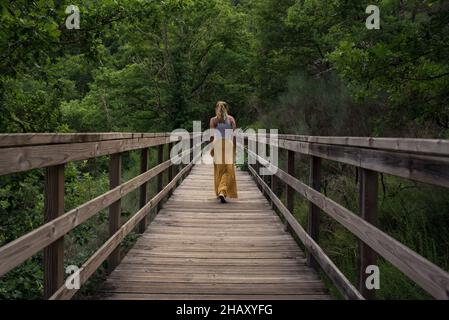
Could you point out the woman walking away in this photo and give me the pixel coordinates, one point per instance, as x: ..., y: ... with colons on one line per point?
x: 223, y: 152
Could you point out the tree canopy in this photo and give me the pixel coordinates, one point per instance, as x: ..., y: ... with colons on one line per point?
x: 157, y: 65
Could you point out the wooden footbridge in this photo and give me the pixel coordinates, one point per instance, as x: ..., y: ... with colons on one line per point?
x: 196, y: 248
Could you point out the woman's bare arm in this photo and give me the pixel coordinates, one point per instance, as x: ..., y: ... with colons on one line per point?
x: 212, y: 125
x: 234, y: 138
x: 233, y: 124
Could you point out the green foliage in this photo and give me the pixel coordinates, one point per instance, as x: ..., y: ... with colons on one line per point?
x: 402, y: 69
x: 23, y: 282
x: 21, y: 204
x: 21, y: 211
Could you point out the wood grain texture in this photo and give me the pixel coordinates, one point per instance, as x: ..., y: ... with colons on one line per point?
x: 429, y: 276
x: 17, y: 251
x: 431, y: 169
x: 289, y: 191
x: 94, y: 262
x: 115, y: 212
x: 28, y: 139
x: 18, y: 159
x: 412, y: 145
x: 195, y: 249
x: 198, y: 248
x: 368, y: 210
x: 160, y: 177
x: 337, y: 277
x: 313, y: 220
x: 54, y: 208
x: 143, y: 187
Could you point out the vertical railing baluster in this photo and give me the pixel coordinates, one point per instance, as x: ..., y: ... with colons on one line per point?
x: 313, y: 221
x: 143, y: 188
x: 368, y: 188
x: 256, y: 161
x: 274, y: 186
x: 54, y: 207
x: 115, y: 173
x: 171, y: 172
x: 289, y: 191
x: 245, y: 152
x: 191, y: 147
x: 171, y: 169
x: 160, y: 176
x: 175, y: 167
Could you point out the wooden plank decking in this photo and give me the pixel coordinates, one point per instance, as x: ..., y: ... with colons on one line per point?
x: 197, y: 248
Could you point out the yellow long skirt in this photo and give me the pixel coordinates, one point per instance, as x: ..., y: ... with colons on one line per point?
x: 224, y: 170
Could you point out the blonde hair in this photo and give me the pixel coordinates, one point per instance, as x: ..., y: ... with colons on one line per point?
x: 221, y: 111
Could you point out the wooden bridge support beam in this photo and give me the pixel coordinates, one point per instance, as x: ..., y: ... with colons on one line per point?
x: 143, y: 188
x: 115, y: 173
x: 256, y: 163
x: 368, y: 189
x: 171, y: 170
x: 289, y: 191
x: 175, y: 167
x: 274, y: 180
x: 269, y: 178
x: 191, y: 147
x: 54, y: 207
x: 313, y: 221
x: 160, y: 176
x: 274, y: 186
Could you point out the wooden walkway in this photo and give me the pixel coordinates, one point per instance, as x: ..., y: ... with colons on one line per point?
x: 197, y: 248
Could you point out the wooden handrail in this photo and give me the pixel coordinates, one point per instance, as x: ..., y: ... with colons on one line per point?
x: 429, y: 169
x: 424, y: 146
x: 30, y: 151
x: 94, y: 262
x: 30, y: 139
x: 23, y: 157
x: 423, y: 272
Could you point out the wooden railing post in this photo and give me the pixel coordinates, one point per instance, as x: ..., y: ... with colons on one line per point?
x: 160, y: 177
x: 171, y: 170
x: 54, y: 207
x: 368, y: 210
x: 175, y: 167
x: 191, y: 147
x: 267, y: 154
x: 313, y: 221
x: 274, y: 186
x: 256, y: 164
x: 255, y: 157
x: 245, y: 150
x: 115, y: 173
x: 143, y: 188
x: 289, y: 191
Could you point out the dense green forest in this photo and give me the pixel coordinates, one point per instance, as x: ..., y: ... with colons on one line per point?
x: 302, y: 66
